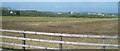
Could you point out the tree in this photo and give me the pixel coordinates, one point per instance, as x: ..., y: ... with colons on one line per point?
x: 5, y: 11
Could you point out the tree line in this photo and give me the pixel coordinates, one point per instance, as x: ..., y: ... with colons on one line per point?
x: 11, y: 12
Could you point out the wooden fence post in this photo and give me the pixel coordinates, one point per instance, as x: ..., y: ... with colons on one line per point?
x: 24, y: 35
x: 104, y: 43
x: 61, y: 43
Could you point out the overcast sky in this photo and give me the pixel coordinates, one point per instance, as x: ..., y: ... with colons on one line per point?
x: 60, y: 0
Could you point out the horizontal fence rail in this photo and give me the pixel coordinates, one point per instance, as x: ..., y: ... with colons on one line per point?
x: 63, y: 42
x: 59, y: 34
x: 28, y: 46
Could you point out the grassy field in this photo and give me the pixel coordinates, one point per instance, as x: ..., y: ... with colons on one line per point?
x: 89, y: 26
x: 100, y: 26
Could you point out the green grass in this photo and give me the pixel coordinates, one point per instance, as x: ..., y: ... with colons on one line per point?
x: 16, y: 18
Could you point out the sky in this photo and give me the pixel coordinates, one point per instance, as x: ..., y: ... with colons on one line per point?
x: 101, y: 7
x: 60, y: 0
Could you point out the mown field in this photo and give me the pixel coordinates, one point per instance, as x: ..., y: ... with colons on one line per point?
x: 87, y: 26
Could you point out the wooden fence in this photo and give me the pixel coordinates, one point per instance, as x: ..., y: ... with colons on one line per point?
x: 54, y: 41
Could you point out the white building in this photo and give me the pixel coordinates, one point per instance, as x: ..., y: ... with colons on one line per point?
x: 89, y: 13
x: 103, y: 14
x: 59, y: 13
x: 93, y: 13
x: 99, y: 14
x: 113, y: 15
x: 11, y: 12
x: 70, y: 12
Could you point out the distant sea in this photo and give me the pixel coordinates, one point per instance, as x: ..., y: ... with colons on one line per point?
x: 100, y: 7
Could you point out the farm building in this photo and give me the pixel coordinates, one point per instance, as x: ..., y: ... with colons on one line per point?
x: 14, y: 13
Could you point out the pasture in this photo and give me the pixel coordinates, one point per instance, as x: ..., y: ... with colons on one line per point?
x: 86, y: 26
x: 100, y: 26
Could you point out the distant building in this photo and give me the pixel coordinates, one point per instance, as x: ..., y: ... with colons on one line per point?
x: 93, y: 13
x: 59, y: 13
x: 70, y: 12
x: 103, y: 14
x: 113, y: 15
x: 11, y: 12
x: 89, y: 13
x: 14, y: 13
x: 99, y: 14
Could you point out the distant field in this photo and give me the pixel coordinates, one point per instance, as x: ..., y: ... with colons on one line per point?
x: 101, y: 26
x: 89, y: 26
